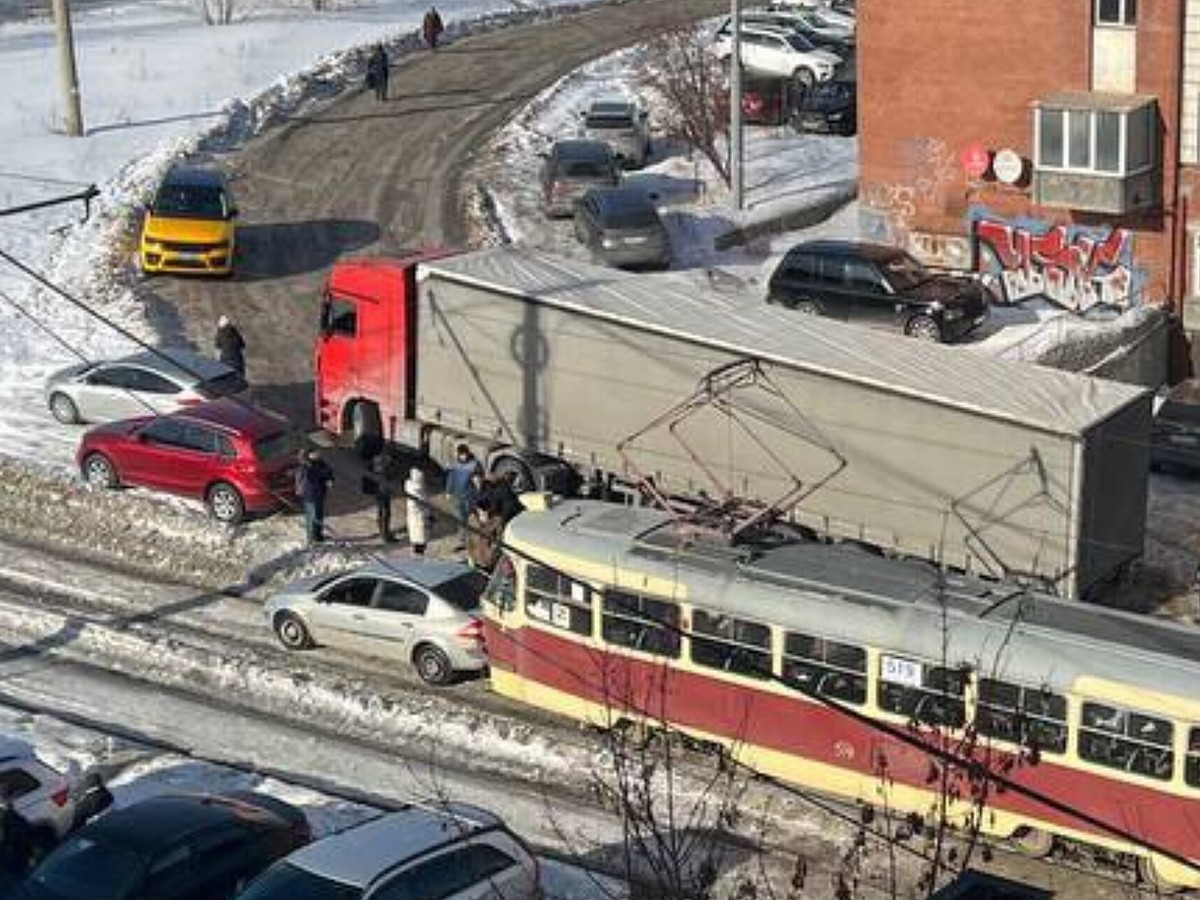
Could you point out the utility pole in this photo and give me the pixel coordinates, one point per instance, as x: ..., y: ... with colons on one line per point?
x: 737, y: 181
x: 67, y: 75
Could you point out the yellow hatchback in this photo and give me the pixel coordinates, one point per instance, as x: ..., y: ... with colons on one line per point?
x: 189, y: 226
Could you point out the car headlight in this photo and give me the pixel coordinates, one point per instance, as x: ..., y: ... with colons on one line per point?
x: 610, y: 243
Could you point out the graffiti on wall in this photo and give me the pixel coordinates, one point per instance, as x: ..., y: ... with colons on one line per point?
x: 887, y: 209
x: 1071, y: 265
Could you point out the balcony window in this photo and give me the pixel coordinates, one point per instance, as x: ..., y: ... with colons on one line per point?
x: 1095, y: 140
x: 1116, y: 12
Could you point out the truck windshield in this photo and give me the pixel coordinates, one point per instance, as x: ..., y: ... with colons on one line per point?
x: 339, y: 316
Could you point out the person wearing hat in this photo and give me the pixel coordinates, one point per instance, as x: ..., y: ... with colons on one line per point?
x: 230, y: 345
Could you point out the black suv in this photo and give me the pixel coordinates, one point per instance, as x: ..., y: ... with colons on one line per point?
x: 871, y: 284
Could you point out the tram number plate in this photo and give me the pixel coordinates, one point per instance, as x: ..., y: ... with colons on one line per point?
x: 901, y: 671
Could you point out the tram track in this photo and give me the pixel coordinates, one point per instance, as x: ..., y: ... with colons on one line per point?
x: 186, y: 643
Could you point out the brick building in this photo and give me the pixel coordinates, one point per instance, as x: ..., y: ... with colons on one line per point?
x: 1053, y: 142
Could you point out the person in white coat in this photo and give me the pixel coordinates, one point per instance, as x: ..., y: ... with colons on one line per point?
x: 416, y: 510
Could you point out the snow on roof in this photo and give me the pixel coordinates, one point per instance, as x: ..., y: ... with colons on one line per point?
x: 1047, y: 399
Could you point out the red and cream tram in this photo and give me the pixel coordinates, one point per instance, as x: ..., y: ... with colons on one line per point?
x: 838, y: 670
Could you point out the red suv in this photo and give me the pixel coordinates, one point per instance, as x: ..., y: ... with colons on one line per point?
x: 235, y: 457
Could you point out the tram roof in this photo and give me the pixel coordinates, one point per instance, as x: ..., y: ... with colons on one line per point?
x: 738, y: 322
x: 846, y: 593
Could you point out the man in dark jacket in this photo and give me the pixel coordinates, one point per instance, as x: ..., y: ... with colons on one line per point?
x: 380, y: 482
x: 230, y: 345
x: 378, y: 70
x: 312, y: 484
x: 432, y: 27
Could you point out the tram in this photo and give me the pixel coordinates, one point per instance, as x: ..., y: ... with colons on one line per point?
x: 832, y: 668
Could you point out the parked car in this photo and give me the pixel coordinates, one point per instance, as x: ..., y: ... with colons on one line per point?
x: 622, y: 125
x: 185, y: 847
x: 570, y: 168
x: 235, y: 457
x: 877, y: 285
x: 422, y: 611
x: 1175, y: 439
x: 776, y: 51
x: 54, y: 803
x: 841, y: 13
x: 460, y: 853
x: 189, y: 226
x: 621, y: 227
x: 160, y: 381
x: 830, y: 106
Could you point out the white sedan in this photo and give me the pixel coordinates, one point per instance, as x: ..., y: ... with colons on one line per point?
x: 783, y: 54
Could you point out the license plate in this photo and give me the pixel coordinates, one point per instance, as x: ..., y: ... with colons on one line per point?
x: 190, y: 256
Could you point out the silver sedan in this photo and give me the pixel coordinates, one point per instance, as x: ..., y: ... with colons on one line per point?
x: 143, y: 383
x: 422, y: 611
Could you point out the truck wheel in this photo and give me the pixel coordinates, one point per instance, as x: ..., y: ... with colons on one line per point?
x: 367, y: 428
x: 519, y: 475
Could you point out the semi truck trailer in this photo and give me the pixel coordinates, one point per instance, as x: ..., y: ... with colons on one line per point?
x: 569, y: 376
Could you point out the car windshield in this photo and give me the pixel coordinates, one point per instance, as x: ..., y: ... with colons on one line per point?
x: 583, y: 168
x: 275, y: 446
x: 903, y: 272
x: 82, y: 869
x: 287, y: 882
x: 190, y: 201
x: 800, y: 43
x: 608, y: 121
x: 223, y: 385
x: 462, y: 592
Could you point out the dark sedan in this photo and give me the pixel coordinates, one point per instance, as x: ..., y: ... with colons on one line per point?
x: 176, y: 847
x: 1175, y: 440
x: 872, y: 284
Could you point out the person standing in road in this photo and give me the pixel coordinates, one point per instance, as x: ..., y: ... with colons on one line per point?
x: 432, y: 27
x: 460, y: 485
x: 378, y: 481
x: 378, y: 70
x: 416, y: 511
x: 313, y: 481
x: 230, y: 345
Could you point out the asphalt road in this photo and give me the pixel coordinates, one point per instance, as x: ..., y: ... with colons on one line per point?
x: 363, y: 177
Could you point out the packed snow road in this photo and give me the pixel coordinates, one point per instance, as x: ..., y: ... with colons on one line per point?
x: 365, y: 176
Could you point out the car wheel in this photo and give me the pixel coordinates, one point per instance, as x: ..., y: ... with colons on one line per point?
x: 804, y: 78
x: 432, y: 664
x: 99, y: 472
x: 291, y: 632
x: 807, y: 307
x: 225, y: 503
x: 923, y: 328
x: 64, y: 409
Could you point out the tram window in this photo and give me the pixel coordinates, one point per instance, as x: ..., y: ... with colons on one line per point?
x: 731, y: 645
x: 641, y: 623
x: 1191, y: 771
x: 817, y: 666
x: 556, y: 600
x: 931, y: 695
x: 1032, y: 717
x: 1127, y: 740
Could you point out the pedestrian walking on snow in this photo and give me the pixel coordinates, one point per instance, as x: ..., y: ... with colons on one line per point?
x: 230, y: 345
x: 432, y: 27
x: 378, y: 70
x: 313, y: 480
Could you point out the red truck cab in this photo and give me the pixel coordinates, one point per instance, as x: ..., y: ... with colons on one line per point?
x: 364, y: 365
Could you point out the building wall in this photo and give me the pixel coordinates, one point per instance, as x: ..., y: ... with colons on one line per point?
x: 937, y: 76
